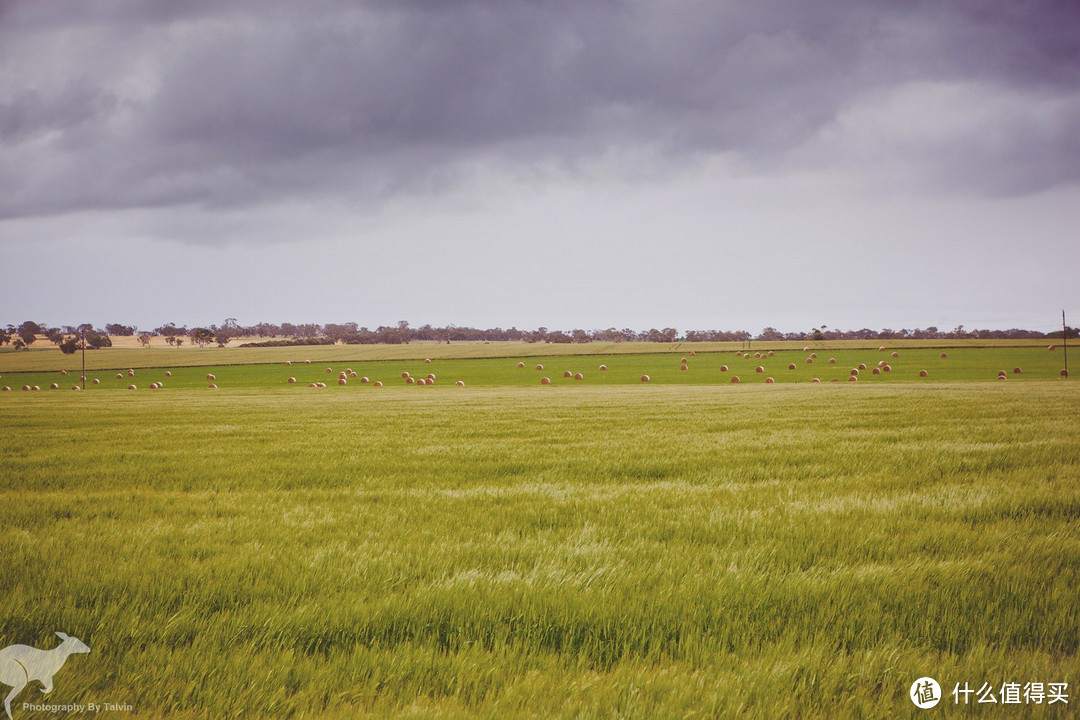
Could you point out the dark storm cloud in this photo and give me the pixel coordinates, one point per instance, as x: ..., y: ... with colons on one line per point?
x: 130, y: 104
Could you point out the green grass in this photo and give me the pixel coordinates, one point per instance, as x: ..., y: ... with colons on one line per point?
x: 587, y: 551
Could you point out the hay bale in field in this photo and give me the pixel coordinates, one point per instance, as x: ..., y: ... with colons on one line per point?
x: 896, y: 354
x: 738, y: 353
x: 567, y: 374
x: 377, y: 383
x: 119, y: 376
x: 313, y: 385
x: 460, y: 383
x: 96, y: 381
x: 35, y: 388
x: 168, y: 373
x: 409, y: 380
x: 352, y: 375
x: 832, y: 361
x: 1016, y: 371
x: 213, y: 386
x: 1052, y: 348
x: 886, y: 368
x: 603, y: 368
x: 877, y: 371
x: 521, y: 364
x: 404, y: 375
x: 364, y: 381
x: 133, y: 387
x: 769, y: 380
x: 759, y: 369
x: 809, y: 361
x: 1003, y: 377
x: 684, y: 367
x: 815, y: 380
x: 579, y: 376
x: 735, y: 378
x: 288, y: 362
x: 723, y: 368
x: 684, y: 361
x: 82, y: 378
x: 210, y: 376
x: 431, y: 381
x: 693, y: 353
x: 63, y: 372
x: 539, y: 367
x: 307, y: 362
x: 881, y: 363
x: 852, y: 378
x: 342, y: 375
x: 431, y: 376
x: 54, y: 386
x: 792, y: 366
x: 342, y: 381
x: 881, y: 349
x: 329, y: 371
x: 854, y: 372
x: 545, y: 381
x: 757, y: 354
x: 5, y: 389
x: 73, y: 387
x: 1064, y: 373
x: 862, y: 366
x: 322, y: 384
x: 421, y: 381
x: 427, y: 361
x: 944, y: 355
x: 771, y: 353
x: 813, y: 356
x: 131, y: 373
x: 645, y: 378
x: 806, y: 348
x: 923, y: 373
x: 26, y: 388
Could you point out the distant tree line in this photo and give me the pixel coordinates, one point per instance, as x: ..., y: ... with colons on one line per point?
x: 70, y: 338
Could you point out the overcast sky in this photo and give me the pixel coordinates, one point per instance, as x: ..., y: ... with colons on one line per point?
x: 564, y: 163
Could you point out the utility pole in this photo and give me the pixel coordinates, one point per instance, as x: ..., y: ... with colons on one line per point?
x: 83, y: 332
x: 1065, y: 342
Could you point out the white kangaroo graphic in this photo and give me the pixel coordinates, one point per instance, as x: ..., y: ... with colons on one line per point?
x: 20, y: 664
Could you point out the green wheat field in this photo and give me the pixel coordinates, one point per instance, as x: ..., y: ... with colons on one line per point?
x: 595, y: 548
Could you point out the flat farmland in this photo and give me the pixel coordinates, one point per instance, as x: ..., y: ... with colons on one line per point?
x: 685, y: 548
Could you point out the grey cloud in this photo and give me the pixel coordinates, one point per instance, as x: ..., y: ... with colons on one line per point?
x: 243, y: 103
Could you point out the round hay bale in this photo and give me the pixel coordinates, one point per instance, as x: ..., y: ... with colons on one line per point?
x: 131, y: 373
x: 211, y: 377
x: 35, y: 388
x: 431, y: 376
x: 96, y: 381
x: 815, y: 380
x: 212, y: 386
x: 460, y: 383
x: 342, y: 375
x: 404, y: 375
x: 539, y: 367
x: 73, y: 387
x: 723, y: 368
x: 693, y: 353
x: 322, y: 384
x: 421, y: 381
x: 1003, y: 377
x: 645, y: 378
x: 132, y: 387
x: 896, y: 354
x: 1052, y: 348
x: 791, y: 366
x: 886, y: 368
x: 313, y: 385
x: 832, y: 361
x: 862, y: 366
x: 168, y: 373
x: 854, y: 372
x: 364, y: 381
x: 82, y: 378
x: 427, y: 361
x: 881, y: 363
x: 881, y: 349
x: 329, y: 371
x: 684, y: 361
x: 292, y: 380
x: 26, y: 388
x: 813, y: 356
x: 1016, y: 371
x: 307, y: 362
x: 545, y: 381
x: 769, y: 380
x: 852, y: 378
x: 944, y: 355
x: 288, y: 362
x: 521, y: 364
x: 579, y: 376
x: 352, y: 375
x: 806, y: 348
x: 757, y: 354
x: 377, y: 383
x: 342, y: 381
x: 923, y: 373
x: 759, y: 369
x: 119, y: 376
x: 409, y: 381
x: 809, y: 361
x: 431, y: 381
x: 8, y: 389
x: 63, y: 372
x: 1001, y: 374
x: 734, y: 378
x: 603, y: 368
x: 738, y: 353
x: 54, y: 386
x: 1064, y: 373
x: 877, y: 371
x: 771, y: 353
x: 567, y: 374
x: 684, y: 367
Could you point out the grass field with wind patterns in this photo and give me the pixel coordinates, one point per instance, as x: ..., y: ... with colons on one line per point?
x: 600, y: 548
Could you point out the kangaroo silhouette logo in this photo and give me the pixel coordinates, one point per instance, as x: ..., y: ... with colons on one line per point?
x: 21, y: 664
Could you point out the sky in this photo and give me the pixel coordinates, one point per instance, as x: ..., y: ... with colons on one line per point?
x: 559, y: 163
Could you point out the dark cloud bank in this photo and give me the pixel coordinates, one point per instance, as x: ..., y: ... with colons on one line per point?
x: 125, y: 104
